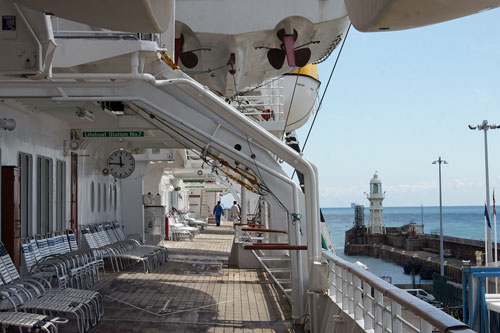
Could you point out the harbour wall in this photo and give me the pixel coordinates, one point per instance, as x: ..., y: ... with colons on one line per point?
x: 401, y: 257
x: 400, y: 248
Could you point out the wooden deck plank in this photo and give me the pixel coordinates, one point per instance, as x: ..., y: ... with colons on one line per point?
x: 194, y: 291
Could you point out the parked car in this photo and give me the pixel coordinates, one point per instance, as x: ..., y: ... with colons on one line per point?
x: 422, y: 294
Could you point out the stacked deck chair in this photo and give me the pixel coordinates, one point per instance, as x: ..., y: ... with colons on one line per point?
x: 120, y: 251
x: 180, y: 220
x: 34, y: 252
x: 31, y: 321
x: 36, y: 295
x: 192, y: 221
x: 179, y: 230
x: 115, y: 231
x: 58, y: 257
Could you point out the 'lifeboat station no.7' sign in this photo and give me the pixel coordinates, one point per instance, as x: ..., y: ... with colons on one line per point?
x: 113, y: 134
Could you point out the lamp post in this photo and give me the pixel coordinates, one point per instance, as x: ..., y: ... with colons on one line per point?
x: 441, y: 250
x: 484, y: 126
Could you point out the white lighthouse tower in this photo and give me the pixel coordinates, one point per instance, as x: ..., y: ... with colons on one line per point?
x: 376, y: 196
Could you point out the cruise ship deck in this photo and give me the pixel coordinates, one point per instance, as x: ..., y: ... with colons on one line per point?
x: 195, y: 291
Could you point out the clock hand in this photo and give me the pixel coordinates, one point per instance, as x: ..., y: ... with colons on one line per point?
x: 121, y: 163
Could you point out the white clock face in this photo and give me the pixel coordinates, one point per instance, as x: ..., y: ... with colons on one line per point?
x: 121, y: 163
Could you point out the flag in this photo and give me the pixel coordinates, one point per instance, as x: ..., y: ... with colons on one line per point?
x: 487, y: 216
x: 494, y: 207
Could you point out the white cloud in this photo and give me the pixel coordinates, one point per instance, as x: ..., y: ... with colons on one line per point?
x: 415, y: 187
x: 458, y: 183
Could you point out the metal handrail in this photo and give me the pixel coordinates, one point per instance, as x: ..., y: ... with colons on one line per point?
x: 427, y: 313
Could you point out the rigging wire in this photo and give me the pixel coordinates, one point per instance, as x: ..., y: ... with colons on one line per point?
x: 259, y: 175
x: 261, y: 189
x: 209, y: 70
x: 324, y: 92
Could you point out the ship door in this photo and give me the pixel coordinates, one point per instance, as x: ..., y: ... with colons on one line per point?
x: 11, y: 212
x: 74, y: 193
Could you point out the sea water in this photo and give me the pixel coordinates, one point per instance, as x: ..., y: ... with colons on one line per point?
x: 458, y: 221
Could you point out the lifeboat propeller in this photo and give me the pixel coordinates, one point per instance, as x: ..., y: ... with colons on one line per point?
x: 296, y: 56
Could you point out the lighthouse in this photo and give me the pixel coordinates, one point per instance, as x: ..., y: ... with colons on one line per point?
x: 376, y: 196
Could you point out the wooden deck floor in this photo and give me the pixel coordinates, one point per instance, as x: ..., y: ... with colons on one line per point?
x: 195, y: 291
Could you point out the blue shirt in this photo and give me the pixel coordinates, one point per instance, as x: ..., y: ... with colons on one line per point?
x: 218, y: 210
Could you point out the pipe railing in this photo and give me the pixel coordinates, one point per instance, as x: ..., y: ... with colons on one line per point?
x: 377, y: 305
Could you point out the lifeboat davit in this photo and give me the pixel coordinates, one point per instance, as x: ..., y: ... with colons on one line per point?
x: 300, y: 90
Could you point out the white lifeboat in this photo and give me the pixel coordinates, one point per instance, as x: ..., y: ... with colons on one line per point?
x: 131, y: 15
x: 306, y: 84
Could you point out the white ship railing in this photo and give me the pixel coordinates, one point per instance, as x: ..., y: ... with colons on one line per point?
x: 268, y: 96
x: 377, y: 306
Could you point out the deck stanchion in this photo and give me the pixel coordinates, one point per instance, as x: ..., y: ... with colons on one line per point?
x: 358, y: 299
x: 367, y: 306
x: 397, y: 325
x: 350, y: 293
x: 345, y: 295
x: 338, y: 284
x: 386, y: 318
x: 379, y: 309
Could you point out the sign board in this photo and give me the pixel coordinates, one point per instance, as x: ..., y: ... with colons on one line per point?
x: 113, y: 134
x: 195, y: 186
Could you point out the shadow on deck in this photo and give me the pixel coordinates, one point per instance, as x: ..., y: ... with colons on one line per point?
x: 194, y: 292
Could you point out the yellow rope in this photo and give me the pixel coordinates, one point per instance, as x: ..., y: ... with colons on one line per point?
x: 242, y: 183
x: 165, y: 57
x: 251, y: 177
x: 243, y: 173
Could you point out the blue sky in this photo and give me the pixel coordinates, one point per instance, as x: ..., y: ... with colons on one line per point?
x: 397, y: 101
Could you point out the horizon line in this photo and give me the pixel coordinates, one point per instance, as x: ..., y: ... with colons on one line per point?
x: 340, y: 207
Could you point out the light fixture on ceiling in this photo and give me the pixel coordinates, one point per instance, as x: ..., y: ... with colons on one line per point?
x: 83, y: 113
x: 7, y: 124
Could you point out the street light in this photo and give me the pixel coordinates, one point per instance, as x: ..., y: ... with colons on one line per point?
x: 441, y: 250
x: 484, y: 126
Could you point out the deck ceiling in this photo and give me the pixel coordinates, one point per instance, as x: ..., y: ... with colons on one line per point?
x: 103, y: 120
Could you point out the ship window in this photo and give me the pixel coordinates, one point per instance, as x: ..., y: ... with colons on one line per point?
x: 98, y: 197
x: 92, y: 196
x: 44, y: 194
x: 114, y: 196
x: 60, y: 195
x: 104, y: 198
x: 26, y: 164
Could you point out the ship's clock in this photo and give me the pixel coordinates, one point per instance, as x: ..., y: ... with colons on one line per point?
x: 121, y: 163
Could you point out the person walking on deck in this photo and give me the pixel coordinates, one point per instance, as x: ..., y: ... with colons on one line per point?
x: 218, y: 211
x: 235, y: 212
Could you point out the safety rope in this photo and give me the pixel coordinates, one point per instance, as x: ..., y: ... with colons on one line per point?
x: 166, y: 58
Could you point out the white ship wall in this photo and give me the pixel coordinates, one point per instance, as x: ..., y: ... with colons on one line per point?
x: 88, y: 173
x: 152, y: 179
x: 39, y: 134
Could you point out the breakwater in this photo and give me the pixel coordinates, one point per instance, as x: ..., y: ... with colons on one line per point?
x: 402, y: 247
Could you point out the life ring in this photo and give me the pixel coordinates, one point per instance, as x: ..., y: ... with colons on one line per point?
x: 267, y: 113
